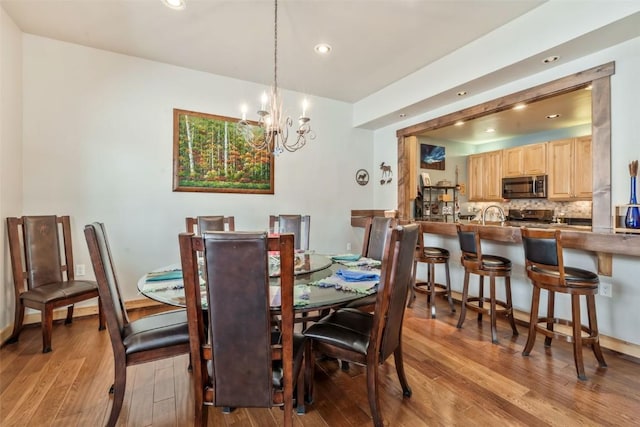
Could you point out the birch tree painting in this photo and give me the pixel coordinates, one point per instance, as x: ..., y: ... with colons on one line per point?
x: 209, y: 155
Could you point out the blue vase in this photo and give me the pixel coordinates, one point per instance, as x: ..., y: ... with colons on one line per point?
x: 632, y: 220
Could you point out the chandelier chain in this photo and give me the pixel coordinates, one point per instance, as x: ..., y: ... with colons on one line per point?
x: 272, y: 130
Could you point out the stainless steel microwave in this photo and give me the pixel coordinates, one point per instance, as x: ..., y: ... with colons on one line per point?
x: 525, y: 187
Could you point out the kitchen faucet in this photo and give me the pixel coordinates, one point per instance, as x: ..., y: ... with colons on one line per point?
x: 500, y: 211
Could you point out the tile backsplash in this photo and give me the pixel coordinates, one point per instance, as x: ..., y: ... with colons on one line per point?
x: 578, y: 209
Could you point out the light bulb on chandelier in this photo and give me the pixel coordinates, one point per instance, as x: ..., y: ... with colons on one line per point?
x: 272, y: 130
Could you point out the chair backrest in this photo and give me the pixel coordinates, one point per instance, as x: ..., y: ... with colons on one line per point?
x: 375, y: 236
x: 238, y: 343
x: 395, y: 280
x: 37, y: 256
x: 298, y: 225
x: 543, y: 254
x: 210, y: 223
x: 470, y: 246
x: 108, y: 288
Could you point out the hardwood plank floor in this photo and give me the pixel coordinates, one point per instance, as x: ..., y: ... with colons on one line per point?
x: 458, y: 377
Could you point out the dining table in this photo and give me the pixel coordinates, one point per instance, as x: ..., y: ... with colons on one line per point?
x: 321, y: 282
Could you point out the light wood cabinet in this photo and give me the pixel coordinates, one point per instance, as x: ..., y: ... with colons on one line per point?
x: 485, y: 176
x: 525, y: 160
x: 570, y: 169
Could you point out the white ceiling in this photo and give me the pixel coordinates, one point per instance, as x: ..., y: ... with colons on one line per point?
x: 375, y: 42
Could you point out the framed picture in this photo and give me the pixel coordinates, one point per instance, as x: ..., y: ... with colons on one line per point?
x: 211, y: 155
x: 431, y: 157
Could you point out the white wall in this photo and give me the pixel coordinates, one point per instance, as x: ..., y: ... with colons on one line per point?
x: 10, y: 150
x: 98, y: 146
x: 618, y: 316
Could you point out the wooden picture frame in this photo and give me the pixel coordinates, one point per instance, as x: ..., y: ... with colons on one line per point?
x: 432, y: 157
x: 210, y: 155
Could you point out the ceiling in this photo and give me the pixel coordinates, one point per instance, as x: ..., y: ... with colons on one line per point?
x: 573, y: 108
x: 374, y: 42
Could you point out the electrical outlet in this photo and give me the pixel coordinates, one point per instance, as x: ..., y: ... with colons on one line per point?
x: 606, y: 289
x: 80, y: 270
x: 348, y: 246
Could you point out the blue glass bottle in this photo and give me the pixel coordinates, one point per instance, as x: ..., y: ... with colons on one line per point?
x: 632, y: 220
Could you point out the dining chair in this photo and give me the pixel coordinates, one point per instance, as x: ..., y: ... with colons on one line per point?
x: 241, y: 359
x: 299, y: 225
x: 474, y: 261
x: 200, y: 224
x: 149, y: 338
x: 544, y: 264
x: 368, y: 339
x: 375, y: 235
x: 43, y: 272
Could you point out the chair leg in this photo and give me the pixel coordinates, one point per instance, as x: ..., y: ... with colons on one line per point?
x: 300, y: 390
x: 412, y: 288
x: 432, y: 289
x: 512, y: 320
x: 47, y: 328
x: 372, y: 393
x: 309, y: 367
x: 577, y: 336
x: 119, y: 385
x: 492, y: 308
x: 101, y: 319
x: 69, y: 317
x: 399, y: 361
x: 593, y: 328
x: 465, y: 292
x: 448, y: 282
x: 533, y: 321
x: 17, y: 323
x: 551, y: 309
x: 481, y: 296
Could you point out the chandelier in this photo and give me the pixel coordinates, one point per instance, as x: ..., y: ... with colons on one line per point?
x: 272, y: 130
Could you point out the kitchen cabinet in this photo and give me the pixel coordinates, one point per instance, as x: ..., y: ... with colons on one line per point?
x: 485, y: 176
x: 525, y: 160
x: 570, y: 169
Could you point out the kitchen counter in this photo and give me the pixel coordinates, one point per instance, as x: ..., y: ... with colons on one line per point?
x: 575, y: 237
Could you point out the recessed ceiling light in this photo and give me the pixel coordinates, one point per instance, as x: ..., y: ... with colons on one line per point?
x: 490, y: 130
x: 519, y: 106
x: 553, y: 116
x: 322, y: 48
x: 458, y: 123
x: 462, y: 93
x: 175, y: 4
x: 550, y: 59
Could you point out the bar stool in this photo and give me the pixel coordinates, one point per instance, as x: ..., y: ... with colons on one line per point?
x: 475, y: 262
x: 545, y: 268
x: 431, y: 256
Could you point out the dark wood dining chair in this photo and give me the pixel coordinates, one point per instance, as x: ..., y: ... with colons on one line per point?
x: 43, y: 275
x: 299, y: 225
x: 368, y: 339
x: 149, y: 338
x: 474, y: 261
x: 376, y: 231
x: 241, y: 359
x: 200, y: 224
x: 544, y: 264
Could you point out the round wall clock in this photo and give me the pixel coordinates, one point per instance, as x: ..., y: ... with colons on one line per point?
x: 362, y: 177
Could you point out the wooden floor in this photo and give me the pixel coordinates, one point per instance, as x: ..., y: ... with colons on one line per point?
x: 458, y: 378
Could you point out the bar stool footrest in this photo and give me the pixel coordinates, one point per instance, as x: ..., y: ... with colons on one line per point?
x: 541, y: 327
x: 501, y: 306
